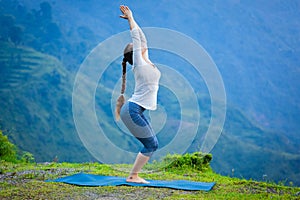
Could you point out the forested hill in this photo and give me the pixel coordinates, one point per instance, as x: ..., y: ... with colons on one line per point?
x: 35, y: 104
x: 36, y: 84
x: 43, y: 44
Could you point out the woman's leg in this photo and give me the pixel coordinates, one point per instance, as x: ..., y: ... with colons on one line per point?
x: 135, y: 121
x: 140, y: 161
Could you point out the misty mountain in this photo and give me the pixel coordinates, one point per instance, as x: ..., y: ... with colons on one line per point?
x: 255, y: 46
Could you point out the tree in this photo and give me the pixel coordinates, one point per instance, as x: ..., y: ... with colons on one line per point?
x: 46, y: 11
x: 8, y: 151
x: 15, y: 34
x: 6, y: 23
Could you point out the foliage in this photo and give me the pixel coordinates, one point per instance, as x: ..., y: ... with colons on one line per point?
x: 198, y: 160
x: 22, y: 26
x: 27, y: 157
x: 8, y: 151
x: 37, y: 90
x: 36, y: 28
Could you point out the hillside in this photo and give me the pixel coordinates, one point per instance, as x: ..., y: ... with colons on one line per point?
x: 256, y: 150
x: 26, y: 181
x: 255, y: 46
x: 35, y: 104
x: 38, y: 118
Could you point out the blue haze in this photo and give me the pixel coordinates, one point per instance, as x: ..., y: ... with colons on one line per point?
x: 255, y: 44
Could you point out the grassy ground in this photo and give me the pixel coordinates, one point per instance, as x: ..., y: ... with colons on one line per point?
x: 27, y: 181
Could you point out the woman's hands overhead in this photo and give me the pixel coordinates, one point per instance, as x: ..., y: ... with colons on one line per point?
x: 126, y: 12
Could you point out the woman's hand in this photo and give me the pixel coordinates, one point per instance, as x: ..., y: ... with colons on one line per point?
x: 127, y: 14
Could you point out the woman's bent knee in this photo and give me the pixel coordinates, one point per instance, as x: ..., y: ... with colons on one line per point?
x: 150, y: 145
x: 155, y: 146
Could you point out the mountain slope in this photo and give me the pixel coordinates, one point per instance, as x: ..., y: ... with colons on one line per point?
x: 35, y: 104
x: 245, y: 150
x: 38, y: 118
x: 254, y: 44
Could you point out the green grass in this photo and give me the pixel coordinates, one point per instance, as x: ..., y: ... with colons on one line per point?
x: 27, y: 181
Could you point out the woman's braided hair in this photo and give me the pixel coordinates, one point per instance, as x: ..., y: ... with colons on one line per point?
x: 121, y: 100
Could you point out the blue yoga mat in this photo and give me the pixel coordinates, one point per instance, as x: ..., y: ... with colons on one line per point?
x: 83, y: 179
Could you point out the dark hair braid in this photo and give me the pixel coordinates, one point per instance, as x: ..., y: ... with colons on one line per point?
x: 121, y: 99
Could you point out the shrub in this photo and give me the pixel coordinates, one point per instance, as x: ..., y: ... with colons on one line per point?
x: 27, y: 157
x: 8, y: 151
x: 198, y: 160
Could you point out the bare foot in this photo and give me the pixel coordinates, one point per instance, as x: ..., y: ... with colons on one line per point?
x: 136, y: 179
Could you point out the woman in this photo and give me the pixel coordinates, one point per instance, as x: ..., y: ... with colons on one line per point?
x: 146, y: 77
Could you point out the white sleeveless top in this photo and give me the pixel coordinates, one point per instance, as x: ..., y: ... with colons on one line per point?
x: 146, y: 75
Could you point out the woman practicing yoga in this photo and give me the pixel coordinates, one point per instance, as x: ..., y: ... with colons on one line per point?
x: 146, y: 76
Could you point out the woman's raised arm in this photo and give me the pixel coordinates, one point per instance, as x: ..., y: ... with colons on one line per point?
x: 127, y: 14
x: 140, y: 52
